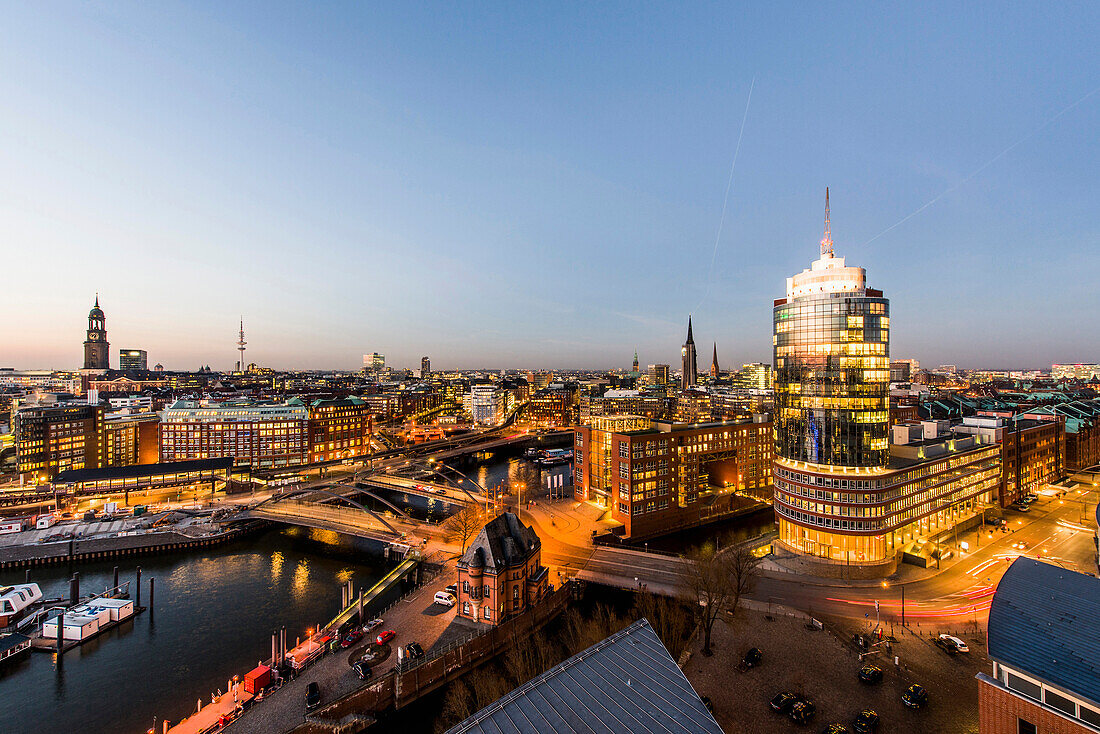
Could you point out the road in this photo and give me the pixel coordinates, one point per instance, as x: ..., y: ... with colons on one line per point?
x: 962, y: 591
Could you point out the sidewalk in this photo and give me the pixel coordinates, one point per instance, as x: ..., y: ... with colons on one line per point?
x: 565, y: 520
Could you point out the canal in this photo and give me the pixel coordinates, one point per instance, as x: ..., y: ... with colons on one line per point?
x: 214, y: 614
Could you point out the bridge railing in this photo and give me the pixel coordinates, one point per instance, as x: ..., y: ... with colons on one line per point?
x: 346, y: 516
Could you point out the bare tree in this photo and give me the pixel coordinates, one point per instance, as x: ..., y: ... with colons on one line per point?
x: 464, y: 524
x: 669, y: 618
x: 744, y: 568
x: 709, y: 588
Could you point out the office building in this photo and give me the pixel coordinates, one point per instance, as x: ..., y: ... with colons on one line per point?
x: 133, y: 359
x: 374, y: 362
x: 622, y: 402
x: 131, y: 438
x: 96, y: 348
x: 486, y: 404
x: 338, y: 429
x: 658, y: 374
x: 1075, y: 371
x: 262, y: 435
x: 655, y: 476
x: 1080, y: 421
x: 754, y: 376
x: 1032, y: 450
x: 1042, y: 642
x: 501, y: 574
x: 553, y: 407
x: 54, y: 438
x: 425, y: 367
x: 690, y: 373
x: 845, y: 501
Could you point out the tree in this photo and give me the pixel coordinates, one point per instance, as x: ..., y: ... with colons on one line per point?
x: 744, y: 567
x: 709, y: 588
x: 464, y: 525
x: 669, y: 618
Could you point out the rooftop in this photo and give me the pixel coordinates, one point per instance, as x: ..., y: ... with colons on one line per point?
x: 1043, y: 621
x: 503, y: 541
x: 627, y: 682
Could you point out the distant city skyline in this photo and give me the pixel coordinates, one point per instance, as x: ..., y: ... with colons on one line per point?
x: 544, y: 188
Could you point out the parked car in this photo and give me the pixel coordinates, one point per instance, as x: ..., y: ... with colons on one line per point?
x: 313, y: 696
x: 752, y: 657
x: 866, y: 722
x: 835, y: 729
x: 870, y: 674
x: 362, y: 670
x: 444, y: 598
x: 915, y: 696
x: 373, y: 624
x: 783, y: 702
x: 1031, y: 496
x: 384, y: 637
x: 413, y: 650
x: 950, y: 641
x: 947, y: 647
x: 351, y: 638
x: 452, y: 589
x: 802, y: 712
x: 1021, y: 507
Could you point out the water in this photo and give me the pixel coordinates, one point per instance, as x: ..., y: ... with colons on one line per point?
x: 214, y: 614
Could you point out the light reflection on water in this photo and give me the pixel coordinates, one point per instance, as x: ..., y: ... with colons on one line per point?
x: 213, y: 619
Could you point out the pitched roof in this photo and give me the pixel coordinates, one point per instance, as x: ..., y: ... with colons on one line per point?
x: 1043, y: 621
x: 627, y: 682
x: 503, y: 541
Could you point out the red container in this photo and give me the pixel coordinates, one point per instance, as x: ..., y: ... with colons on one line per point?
x: 257, y: 679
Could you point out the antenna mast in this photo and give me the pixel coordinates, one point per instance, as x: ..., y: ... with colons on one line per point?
x: 827, y: 240
x: 240, y: 347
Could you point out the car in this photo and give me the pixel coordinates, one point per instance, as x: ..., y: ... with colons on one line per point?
x: 313, y: 696
x: 414, y: 650
x: 1021, y: 507
x: 351, y: 638
x: 866, y: 722
x: 870, y: 674
x: 784, y: 701
x: 444, y: 598
x: 1031, y: 496
x: 802, y: 712
x: 439, y: 490
x: 948, y: 647
x: 752, y: 657
x: 958, y: 644
x: 835, y: 729
x: 373, y: 624
x: 362, y: 670
x: 915, y: 696
x: 452, y: 589
x: 384, y: 637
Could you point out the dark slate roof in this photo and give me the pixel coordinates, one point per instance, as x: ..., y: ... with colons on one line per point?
x: 9, y: 641
x: 143, y: 470
x: 503, y: 541
x: 626, y: 683
x: 1044, y: 621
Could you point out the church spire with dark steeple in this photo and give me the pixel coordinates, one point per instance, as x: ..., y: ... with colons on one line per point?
x: 714, y: 362
x: 687, y: 356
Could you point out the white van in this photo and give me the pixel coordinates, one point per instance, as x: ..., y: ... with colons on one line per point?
x: 442, y: 597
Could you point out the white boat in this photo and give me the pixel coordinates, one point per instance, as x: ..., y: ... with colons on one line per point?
x: 13, y: 644
x: 17, y: 601
x: 556, y: 456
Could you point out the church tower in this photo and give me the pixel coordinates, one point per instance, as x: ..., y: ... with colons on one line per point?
x: 687, y: 356
x: 714, y: 362
x: 635, y: 361
x: 96, y: 348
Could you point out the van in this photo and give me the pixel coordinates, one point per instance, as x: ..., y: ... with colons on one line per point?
x: 444, y: 598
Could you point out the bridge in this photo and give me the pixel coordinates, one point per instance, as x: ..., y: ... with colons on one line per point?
x: 454, y: 495
x: 357, y: 521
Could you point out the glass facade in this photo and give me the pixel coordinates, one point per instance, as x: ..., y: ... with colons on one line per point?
x: 832, y: 374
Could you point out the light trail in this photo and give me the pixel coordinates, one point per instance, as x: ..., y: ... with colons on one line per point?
x: 982, y: 167
x: 726, y: 198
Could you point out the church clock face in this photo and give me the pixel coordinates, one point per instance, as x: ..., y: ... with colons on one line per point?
x: 94, y: 336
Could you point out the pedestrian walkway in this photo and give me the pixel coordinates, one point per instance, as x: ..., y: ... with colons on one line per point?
x: 218, y: 712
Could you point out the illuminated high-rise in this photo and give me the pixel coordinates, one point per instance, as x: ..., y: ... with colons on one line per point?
x: 832, y: 365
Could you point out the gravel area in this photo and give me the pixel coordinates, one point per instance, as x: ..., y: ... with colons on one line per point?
x: 818, y: 665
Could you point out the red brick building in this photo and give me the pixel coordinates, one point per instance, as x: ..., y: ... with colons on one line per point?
x: 655, y: 476
x: 501, y: 574
x: 1042, y: 641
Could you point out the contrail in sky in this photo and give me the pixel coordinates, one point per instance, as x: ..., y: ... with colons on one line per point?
x: 981, y: 168
x: 726, y: 198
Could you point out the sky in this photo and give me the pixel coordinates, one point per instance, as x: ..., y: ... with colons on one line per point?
x: 534, y: 185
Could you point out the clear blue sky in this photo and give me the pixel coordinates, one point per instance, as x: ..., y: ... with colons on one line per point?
x: 501, y: 185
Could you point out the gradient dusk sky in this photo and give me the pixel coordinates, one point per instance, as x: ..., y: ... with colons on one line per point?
x: 515, y: 185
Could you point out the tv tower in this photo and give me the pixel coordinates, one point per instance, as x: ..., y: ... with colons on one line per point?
x: 827, y: 240
x: 240, y: 347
